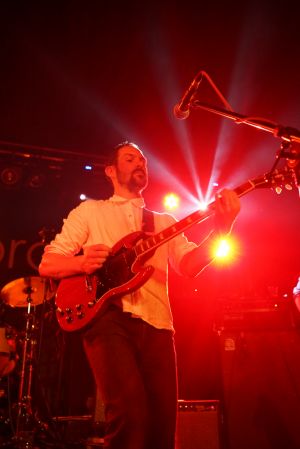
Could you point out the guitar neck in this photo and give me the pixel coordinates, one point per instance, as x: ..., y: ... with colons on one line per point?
x: 153, y: 242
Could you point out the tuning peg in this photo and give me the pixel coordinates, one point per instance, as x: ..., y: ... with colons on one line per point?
x: 278, y: 190
x: 288, y: 187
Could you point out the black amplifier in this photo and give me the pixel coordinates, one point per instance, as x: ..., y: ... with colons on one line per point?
x: 198, y: 424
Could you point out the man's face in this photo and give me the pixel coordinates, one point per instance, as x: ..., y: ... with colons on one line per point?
x: 131, y: 169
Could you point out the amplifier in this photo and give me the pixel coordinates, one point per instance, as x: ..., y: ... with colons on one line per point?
x: 198, y: 424
x: 257, y: 314
x: 261, y: 385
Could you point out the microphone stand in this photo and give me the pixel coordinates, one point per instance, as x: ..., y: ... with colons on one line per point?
x: 288, y: 135
x: 285, y: 132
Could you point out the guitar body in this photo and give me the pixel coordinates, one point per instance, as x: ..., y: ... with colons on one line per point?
x: 79, y: 299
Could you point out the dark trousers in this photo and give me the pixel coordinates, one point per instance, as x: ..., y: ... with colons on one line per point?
x: 134, y: 365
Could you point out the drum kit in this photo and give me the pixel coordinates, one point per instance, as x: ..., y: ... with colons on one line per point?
x: 20, y: 320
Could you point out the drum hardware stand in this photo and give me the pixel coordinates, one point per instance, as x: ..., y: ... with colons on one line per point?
x: 27, y: 422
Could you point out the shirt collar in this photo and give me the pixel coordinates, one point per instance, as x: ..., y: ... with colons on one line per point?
x: 138, y: 202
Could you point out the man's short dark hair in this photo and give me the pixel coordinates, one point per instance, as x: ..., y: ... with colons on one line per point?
x: 112, y: 157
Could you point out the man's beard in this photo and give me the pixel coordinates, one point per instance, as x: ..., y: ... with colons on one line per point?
x: 136, y: 182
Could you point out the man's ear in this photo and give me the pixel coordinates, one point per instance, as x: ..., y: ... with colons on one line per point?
x: 110, y: 171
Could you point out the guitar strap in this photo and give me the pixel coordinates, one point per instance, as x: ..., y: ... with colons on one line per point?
x: 147, y: 220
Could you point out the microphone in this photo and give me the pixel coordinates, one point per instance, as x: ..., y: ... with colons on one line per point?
x: 182, y: 109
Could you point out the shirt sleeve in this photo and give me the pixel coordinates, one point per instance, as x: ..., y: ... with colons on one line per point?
x: 296, y: 289
x: 74, y: 232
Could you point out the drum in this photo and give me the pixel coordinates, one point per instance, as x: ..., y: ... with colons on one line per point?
x: 7, y: 350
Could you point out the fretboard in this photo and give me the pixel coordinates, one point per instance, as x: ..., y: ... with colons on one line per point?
x: 153, y: 242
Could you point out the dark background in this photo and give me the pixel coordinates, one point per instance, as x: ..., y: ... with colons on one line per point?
x: 77, y: 78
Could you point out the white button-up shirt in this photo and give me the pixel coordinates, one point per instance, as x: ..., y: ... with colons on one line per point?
x: 107, y: 222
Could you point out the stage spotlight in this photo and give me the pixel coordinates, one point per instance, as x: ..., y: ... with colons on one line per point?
x: 171, y: 201
x: 225, y: 250
x: 202, y: 205
x: 11, y: 176
x: 36, y: 180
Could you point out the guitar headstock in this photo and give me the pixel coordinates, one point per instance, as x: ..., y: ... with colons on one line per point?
x: 278, y: 180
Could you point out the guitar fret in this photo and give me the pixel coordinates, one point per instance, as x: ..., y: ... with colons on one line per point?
x: 142, y: 247
x: 153, y: 241
x: 138, y: 249
x: 149, y: 243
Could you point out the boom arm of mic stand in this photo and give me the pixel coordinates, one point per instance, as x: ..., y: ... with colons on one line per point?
x: 286, y: 133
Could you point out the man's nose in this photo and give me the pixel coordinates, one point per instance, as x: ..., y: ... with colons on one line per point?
x: 141, y: 164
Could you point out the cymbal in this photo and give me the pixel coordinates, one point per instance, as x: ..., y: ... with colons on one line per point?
x: 16, y: 293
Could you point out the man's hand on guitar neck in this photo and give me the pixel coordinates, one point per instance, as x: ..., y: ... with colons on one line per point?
x: 227, y: 207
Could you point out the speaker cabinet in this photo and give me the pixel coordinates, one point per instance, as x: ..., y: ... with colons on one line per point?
x: 198, y: 425
x: 261, y: 388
